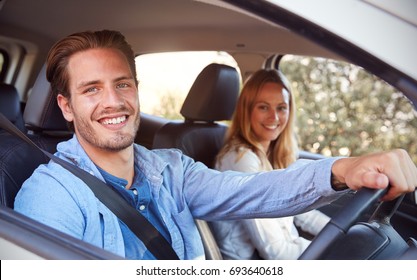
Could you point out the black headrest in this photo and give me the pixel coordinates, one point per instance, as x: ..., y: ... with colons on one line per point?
x: 10, y: 105
x: 213, y: 95
x: 42, y: 112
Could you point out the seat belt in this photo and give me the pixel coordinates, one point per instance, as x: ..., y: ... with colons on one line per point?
x: 144, y: 230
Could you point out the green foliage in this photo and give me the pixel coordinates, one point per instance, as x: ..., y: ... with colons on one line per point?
x: 345, y: 111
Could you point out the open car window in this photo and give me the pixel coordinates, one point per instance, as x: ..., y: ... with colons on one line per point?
x: 343, y: 110
x: 166, y: 78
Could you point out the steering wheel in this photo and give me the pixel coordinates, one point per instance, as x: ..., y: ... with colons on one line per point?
x: 349, y: 215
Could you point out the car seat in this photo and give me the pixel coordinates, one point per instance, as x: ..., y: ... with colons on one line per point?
x: 45, y: 126
x: 212, y: 98
x: 10, y: 105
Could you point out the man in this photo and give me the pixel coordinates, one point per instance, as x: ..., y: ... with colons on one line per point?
x: 93, y: 75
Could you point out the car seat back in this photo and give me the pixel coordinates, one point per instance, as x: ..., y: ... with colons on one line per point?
x: 212, y: 98
x: 45, y: 126
x: 10, y: 105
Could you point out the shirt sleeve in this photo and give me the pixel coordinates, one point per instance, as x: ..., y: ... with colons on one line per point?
x: 213, y: 195
x: 46, y: 200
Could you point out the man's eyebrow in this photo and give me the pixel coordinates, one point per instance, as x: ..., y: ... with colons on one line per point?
x: 124, y: 78
x: 94, y: 82
x: 87, y: 83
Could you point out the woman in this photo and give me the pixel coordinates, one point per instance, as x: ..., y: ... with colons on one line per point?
x: 261, y: 138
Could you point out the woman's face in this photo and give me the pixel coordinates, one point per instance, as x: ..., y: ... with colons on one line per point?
x: 270, y: 113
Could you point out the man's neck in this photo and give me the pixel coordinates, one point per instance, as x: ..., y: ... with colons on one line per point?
x: 117, y: 163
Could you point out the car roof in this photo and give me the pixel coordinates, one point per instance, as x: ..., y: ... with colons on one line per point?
x: 150, y: 25
x: 153, y: 26
x: 368, y: 33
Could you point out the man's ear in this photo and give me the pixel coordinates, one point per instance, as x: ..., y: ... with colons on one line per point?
x: 65, y: 106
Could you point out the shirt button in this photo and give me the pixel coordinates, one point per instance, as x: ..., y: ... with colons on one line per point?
x: 135, y: 192
x: 142, y: 207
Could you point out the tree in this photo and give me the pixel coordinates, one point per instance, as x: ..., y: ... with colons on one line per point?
x: 345, y: 111
x: 169, y: 107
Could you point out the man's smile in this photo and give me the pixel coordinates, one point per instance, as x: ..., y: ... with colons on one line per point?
x: 117, y: 120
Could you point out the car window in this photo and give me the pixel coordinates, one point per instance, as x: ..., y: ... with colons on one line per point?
x: 344, y: 110
x: 1, y: 59
x: 165, y: 79
x: 3, y: 64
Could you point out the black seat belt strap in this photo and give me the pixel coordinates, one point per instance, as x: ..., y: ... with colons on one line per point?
x: 143, y: 229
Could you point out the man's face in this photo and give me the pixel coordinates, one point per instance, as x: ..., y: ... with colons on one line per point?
x: 104, y: 103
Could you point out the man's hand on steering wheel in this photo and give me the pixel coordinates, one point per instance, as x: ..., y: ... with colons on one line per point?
x: 377, y: 171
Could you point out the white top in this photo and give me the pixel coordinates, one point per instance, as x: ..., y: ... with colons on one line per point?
x: 275, y: 238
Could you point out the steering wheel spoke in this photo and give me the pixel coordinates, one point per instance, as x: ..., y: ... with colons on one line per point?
x: 338, y: 227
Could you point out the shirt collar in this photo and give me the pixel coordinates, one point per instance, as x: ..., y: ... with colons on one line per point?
x: 148, y: 162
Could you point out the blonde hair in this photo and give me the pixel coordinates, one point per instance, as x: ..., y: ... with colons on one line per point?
x: 284, y: 150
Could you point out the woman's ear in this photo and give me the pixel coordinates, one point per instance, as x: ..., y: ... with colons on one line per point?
x: 65, y: 106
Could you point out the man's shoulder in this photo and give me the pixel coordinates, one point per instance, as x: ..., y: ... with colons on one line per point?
x: 51, y: 174
x: 50, y: 181
x: 160, y: 152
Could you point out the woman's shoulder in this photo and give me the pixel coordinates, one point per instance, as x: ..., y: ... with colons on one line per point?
x: 239, y: 152
x: 239, y: 158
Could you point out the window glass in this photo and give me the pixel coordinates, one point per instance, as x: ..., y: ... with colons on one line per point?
x: 2, y: 62
x: 345, y: 111
x: 166, y: 78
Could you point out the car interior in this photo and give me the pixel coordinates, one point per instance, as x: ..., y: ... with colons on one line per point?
x: 46, y: 127
x: 198, y: 136
x: 10, y: 105
x: 212, y: 98
x: 32, y: 108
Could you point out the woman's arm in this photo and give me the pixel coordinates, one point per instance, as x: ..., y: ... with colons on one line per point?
x: 275, y: 239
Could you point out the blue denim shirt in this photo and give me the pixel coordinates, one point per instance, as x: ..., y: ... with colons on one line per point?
x: 184, y: 190
x: 140, y: 197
